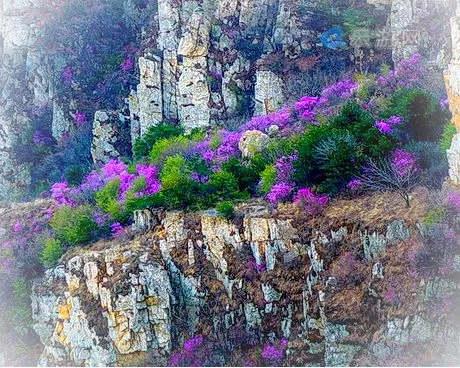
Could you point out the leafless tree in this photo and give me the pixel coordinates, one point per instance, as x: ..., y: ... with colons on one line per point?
x: 384, y: 176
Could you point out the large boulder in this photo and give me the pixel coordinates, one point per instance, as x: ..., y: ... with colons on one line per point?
x: 253, y: 141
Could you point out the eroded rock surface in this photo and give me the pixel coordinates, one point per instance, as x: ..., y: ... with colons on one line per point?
x: 266, y: 274
x: 452, y: 78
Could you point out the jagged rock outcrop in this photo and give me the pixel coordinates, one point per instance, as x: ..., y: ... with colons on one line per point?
x: 110, y: 137
x: 18, y: 64
x: 146, y: 105
x: 268, y: 92
x: 420, y: 26
x: 265, y: 275
x: 452, y: 78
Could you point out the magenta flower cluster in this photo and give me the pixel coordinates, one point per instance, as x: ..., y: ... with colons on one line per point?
x: 284, y: 183
x: 280, y: 192
x: 67, y: 75
x: 117, y: 229
x: 127, y: 65
x: 189, y: 354
x: 354, y: 184
x: 406, y: 73
x: 272, y: 353
x: 113, y: 170
x: 80, y: 118
x: 309, y: 201
x: 404, y: 162
x: 454, y: 200
x: 387, y: 126
x: 342, y: 89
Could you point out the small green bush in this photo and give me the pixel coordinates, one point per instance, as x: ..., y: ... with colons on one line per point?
x: 361, y: 125
x: 107, y: 201
x: 73, y: 226
x: 143, y: 146
x: 447, y: 136
x: 267, y: 178
x: 51, y: 253
x: 178, y: 189
x: 167, y: 146
x: 423, y: 115
x: 354, y: 18
x: 435, y: 216
x: 246, y: 172
x: 175, y: 171
x: 226, y: 209
x: 223, y: 185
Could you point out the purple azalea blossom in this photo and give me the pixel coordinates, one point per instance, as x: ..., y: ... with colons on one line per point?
x: 127, y: 65
x: 193, y: 344
x: 384, y: 127
x: 280, y: 192
x: 80, y: 118
x: 354, y: 184
x: 38, y: 138
x: 60, y: 193
x: 309, y: 201
x: 150, y: 175
x: 116, y: 229
x: 17, y: 227
x: 67, y: 75
x: 114, y: 168
x: 454, y: 200
x: 285, y: 168
x: 403, y: 161
x: 272, y: 353
x: 342, y: 89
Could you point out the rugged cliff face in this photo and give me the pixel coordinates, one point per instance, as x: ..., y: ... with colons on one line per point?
x: 452, y: 77
x: 337, y: 288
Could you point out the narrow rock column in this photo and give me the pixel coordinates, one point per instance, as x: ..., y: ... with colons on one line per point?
x: 269, y: 94
x: 111, y: 137
x: 193, y: 91
x: 452, y: 78
x: 16, y: 34
x: 149, y: 93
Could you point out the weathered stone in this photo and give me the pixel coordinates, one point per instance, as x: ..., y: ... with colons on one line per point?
x: 149, y: 94
x: 85, y: 335
x: 110, y: 137
x: 269, y: 94
x: 253, y: 141
x: 452, y: 79
x: 124, y: 296
x: 453, y: 156
x: 144, y: 220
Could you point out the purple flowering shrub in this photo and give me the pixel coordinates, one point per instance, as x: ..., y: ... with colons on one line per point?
x: 324, y: 145
x: 281, y: 174
x: 98, y: 28
x: 399, y: 173
x: 194, y: 353
x: 199, y: 352
x: 310, y: 202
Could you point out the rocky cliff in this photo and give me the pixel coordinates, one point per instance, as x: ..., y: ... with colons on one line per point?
x: 335, y: 289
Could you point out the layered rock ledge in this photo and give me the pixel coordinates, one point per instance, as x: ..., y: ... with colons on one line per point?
x: 263, y: 276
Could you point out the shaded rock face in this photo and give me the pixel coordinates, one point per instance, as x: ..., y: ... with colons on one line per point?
x: 218, y: 60
x: 261, y: 277
x: 420, y: 26
x: 20, y: 64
